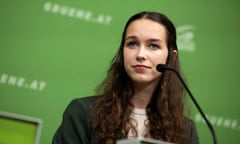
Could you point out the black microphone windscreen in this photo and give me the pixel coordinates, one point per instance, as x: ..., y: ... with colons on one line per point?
x: 161, y: 67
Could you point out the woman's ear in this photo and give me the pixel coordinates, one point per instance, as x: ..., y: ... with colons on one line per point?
x: 175, y: 52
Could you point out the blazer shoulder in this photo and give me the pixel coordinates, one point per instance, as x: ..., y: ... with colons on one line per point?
x: 192, y: 130
x: 82, y: 104
x: 84, y: 100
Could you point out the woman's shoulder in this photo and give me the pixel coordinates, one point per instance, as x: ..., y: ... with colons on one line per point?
x: 84, y: 100
x: 189, y: 123
x: 80, y: 104
x: 192, y: 130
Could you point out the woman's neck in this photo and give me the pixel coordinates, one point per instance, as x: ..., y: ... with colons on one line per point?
x: 142, y: 95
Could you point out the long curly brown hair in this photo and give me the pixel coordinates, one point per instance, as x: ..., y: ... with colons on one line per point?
x: 165, y: 110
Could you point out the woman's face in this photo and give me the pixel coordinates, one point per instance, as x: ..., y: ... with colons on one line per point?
x: 145, y: 46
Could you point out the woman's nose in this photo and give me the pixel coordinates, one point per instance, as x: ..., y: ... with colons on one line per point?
x: 141, y: 54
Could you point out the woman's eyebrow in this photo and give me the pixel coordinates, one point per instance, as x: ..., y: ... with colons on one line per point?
x: 130, y: 37
x: 154, y: 40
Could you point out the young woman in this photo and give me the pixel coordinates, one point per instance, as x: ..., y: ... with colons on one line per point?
x: 134, y: 100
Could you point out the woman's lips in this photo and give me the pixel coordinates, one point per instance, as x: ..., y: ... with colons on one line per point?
x: 140, y: 68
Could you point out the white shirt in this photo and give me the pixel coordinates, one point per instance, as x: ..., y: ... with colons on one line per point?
x: 139, y: 120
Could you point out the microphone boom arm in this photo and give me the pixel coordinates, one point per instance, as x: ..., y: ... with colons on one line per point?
x: 194, y: 101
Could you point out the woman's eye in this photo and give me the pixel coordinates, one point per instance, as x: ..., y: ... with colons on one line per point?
x: 131, y: 44
x: 154, y: 46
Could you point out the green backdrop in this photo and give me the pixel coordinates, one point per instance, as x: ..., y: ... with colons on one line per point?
x: 52, y: 51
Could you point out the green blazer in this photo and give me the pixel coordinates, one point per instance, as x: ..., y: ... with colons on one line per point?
x: 76, y: 127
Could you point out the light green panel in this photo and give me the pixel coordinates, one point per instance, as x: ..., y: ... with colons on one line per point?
x: 48, y: 56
